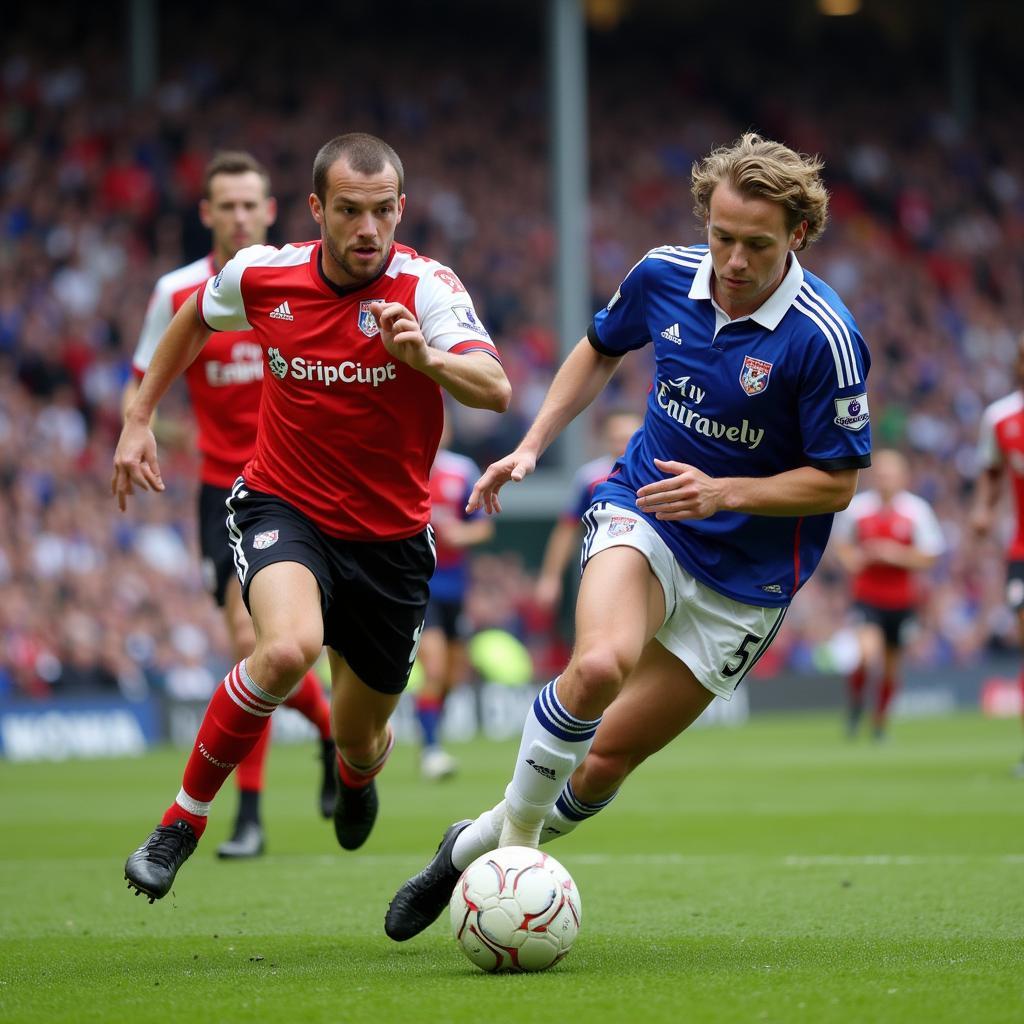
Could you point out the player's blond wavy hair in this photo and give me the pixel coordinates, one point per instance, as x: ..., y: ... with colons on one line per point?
x: 763, y: 169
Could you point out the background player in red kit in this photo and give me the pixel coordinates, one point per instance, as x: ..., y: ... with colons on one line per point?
x: 225, y: 383
x: 883, y: 539
x: 442, y: 652
x: 330, y: 519
x: 1001, y: 455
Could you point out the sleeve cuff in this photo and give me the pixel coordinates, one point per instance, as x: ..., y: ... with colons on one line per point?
x: 462, y: 348
x: 199, y: 306
x: 595, y: 341
x: 842, y: 462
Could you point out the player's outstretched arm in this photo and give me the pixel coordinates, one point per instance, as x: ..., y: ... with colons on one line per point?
x: 578, y: 382
x: 135, y: 459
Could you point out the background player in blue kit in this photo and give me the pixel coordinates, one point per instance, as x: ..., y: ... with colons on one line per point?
x: 755, y: 430
x: 617, y: 427
x: 442, y: 653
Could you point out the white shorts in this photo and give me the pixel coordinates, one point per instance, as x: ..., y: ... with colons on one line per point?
x: 718, y: 639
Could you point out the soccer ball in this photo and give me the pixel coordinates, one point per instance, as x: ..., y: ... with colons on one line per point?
x: 515, y: 909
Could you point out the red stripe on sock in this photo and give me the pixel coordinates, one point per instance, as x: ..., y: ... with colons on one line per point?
x: 356, y: 777
x: 227, y: 733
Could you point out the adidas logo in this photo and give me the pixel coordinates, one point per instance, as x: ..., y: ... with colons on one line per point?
x: 281, y: 313
x: 548, y: 773
x: 669, y: 334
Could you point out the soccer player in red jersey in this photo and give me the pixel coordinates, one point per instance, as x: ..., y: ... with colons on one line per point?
x: 884, y: 538
x: 225, y: 383
x: 442, y: 652
x: 330, y: 519
x: 1001, y: 456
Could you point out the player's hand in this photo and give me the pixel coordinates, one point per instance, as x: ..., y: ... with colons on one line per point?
x: 513, y: 467
x: 400, y: 332
x: 686, y: 494
x: 135, y: 463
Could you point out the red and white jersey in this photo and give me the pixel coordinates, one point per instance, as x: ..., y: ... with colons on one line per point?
x: 347, y: 433
x: 1001, y: 446
x: 908, y: 520
x: 224, y: 383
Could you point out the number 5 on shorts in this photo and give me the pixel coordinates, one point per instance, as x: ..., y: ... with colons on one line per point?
x: 738, y: 659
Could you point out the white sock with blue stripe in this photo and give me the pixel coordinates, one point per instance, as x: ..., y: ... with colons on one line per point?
x: 568, y: 812
x: 554, y: 743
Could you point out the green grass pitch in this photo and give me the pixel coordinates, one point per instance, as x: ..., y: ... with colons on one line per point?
x: 770, y: 873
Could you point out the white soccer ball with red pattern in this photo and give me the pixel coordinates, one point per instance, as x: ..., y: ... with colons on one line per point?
x: 515, y: 909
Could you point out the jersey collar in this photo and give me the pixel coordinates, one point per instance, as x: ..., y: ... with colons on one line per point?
x: 338, y: 290
x: 770, y: 313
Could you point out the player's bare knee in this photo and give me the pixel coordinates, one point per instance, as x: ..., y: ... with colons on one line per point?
x: 599, y: 671
x: 285, y: 659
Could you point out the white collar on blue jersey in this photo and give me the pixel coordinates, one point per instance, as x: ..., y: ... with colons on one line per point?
x: 769, y: 314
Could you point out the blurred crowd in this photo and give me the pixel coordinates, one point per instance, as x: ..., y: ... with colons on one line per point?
x: 98, y: 195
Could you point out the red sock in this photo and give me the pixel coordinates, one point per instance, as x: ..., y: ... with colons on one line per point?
x: 855, y: 684
x: 356, y: 776
x: 885, y: 695
x: 236, y: 717
x: 249, y: 773
x: 308, y: 699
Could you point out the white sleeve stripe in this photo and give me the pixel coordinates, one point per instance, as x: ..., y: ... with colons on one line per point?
x: 831, y: 312
x: 680, y: 250
x: 692, y: 265
x: 816, y: 300
x: 811, y: 315
x: 848, y: 361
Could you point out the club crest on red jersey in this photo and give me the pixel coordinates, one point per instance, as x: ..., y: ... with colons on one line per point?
x: 366, y: 322
x: 754, y: 375
x: 264, y: 540
x: 620, y: 526
x: 450, y: 278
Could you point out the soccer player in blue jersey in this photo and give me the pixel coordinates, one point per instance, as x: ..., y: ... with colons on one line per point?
x: 755, y: 430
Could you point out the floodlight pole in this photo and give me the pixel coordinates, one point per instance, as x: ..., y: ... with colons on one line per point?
x: 143, y: 49
x: 567, y: 84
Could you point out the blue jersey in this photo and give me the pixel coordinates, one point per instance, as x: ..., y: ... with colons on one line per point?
x: 752, y: 397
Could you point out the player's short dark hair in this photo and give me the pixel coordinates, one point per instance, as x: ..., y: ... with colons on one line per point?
x: 365, y: 154
x: 234, y: 161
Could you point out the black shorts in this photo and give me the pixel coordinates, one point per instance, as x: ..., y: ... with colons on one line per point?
x: 1015, y: 585
x: 889, y: 620
x: 373, y: 594
x: 449, y: 617
x: 218, y: 564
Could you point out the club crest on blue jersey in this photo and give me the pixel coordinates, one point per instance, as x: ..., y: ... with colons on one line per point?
x: 366, y: 322
x: 619, y: 526
x: 754, y: 375
x: 264, y: 540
